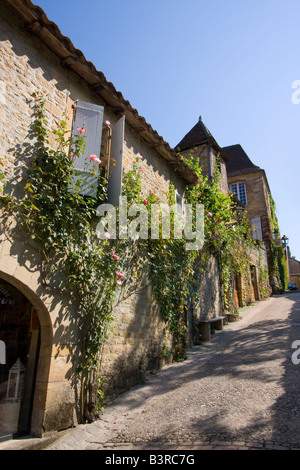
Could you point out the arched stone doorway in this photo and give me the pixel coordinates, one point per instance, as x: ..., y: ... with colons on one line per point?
x: 26, y: 335
x: 20, y: 336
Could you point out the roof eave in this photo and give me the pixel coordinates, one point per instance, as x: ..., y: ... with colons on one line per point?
x: 37, y: 23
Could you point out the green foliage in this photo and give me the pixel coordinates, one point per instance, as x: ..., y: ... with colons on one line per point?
x: 278, y: 261
x: 2, y: 175
x: 168, y: 264
x: 273, y: 218
x: 263, y: 278
x: 227, y: 233
x: 63, y: 224
x: 278, y: 265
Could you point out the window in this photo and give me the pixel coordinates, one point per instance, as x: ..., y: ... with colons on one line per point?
x: 239, y: 190
x: 256, y: 228
x: 106, y: 144
x: 90, y: 117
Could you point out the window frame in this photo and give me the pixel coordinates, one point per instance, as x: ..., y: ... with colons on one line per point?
x: 104, y: 140
x: 238, y: 195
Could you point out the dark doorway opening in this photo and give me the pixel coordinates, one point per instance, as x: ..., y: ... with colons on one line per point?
x: 20, y: 342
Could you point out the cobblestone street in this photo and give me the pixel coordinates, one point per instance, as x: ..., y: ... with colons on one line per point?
x: 238, y: 391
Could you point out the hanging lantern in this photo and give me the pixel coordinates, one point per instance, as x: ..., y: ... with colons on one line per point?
x: 16, y: 381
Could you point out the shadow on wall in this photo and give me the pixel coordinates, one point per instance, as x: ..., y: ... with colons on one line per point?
x: 29, y: 67
x: 209, y: 303
x: 26, y: 272
x: 134, y: 348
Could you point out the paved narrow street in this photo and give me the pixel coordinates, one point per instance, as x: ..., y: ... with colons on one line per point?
x: 239, y: 391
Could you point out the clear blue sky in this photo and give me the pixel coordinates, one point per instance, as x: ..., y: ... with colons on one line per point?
x: 231, y: 61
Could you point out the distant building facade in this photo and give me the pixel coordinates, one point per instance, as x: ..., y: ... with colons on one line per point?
x: 200, y: 143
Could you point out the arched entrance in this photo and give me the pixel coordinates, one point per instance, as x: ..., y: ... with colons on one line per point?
x: 19, y: 350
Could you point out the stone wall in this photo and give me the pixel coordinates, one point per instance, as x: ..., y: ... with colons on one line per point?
x: 208, y: 161
x: 134, y: 348
x: 294, y: 270
x: 294, y: 266
x: 136, y: 343
x: 258, y: 203
x: 20, y: 265
x: 296, y: 278
x: 253, y: 284
x: 208, y: 297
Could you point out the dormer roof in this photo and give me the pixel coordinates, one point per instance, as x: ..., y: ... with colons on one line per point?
x: 238, y: 161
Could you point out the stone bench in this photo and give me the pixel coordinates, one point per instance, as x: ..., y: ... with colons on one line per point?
x: 205, y: 327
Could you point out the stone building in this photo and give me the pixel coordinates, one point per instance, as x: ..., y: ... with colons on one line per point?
x: 235, y: 169
x: 36, y: 58
x: 249, y: 183
x: 200, y: 142
x: 294, y: 271
x: 38, y: 392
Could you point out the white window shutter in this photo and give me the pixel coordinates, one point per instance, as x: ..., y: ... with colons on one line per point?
x: 257, y: 228
x: 179, y: 202
x: 114, y: 190
x: 90, y: 117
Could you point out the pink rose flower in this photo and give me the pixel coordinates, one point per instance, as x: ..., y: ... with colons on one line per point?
x: 107, y: 123
x: 140, y: 170
x: 106, y: 235
x: 119, y: 282
x: 209, y: 214
x: 94, y: 158
x: 120, y: 274
x: 80, y: 130
x: 139, y: 156
x: 73, y: 155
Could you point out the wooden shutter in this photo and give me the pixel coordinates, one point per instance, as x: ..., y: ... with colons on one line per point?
x: 90, y: 117
x: 114, y: 190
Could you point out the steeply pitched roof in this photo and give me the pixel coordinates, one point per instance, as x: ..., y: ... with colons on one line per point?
x: 198, y: 135
x: 238, y: 161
